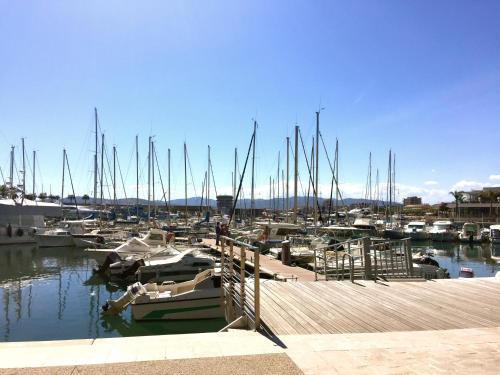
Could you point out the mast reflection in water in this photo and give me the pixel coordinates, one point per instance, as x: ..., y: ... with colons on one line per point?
x: 51, y: 294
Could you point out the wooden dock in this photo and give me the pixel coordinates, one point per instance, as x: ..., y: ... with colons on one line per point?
x: 270, y: 266
x: 329, y: 307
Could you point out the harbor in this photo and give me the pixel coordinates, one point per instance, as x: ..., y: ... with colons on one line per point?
x: 277, y: 188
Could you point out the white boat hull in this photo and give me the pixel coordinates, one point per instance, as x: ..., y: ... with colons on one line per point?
x: 208, y: 307
x: 47, y: 240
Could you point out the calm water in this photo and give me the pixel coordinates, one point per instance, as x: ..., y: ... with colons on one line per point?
x: 454, y: 256
x: 50, y: 294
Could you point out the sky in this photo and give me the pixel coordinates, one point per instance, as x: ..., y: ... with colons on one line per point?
x: 420, y: 78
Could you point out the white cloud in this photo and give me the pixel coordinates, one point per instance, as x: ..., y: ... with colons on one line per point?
x: 469, y: 185
x: 430, y: 183
x: 495, y: 177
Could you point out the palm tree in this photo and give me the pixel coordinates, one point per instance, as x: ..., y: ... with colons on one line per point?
x: 4, y: 191
x: 459, y: 198
x: 443, y: 207
x: 85, y: 198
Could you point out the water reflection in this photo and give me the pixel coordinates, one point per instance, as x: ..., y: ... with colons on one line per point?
x: 49, y: 294
x: 484, y: 259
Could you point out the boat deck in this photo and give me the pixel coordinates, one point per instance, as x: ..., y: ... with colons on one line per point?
x: 269, y: 266
x: 329, y: 307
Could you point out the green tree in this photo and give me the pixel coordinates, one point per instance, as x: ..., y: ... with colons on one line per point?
x: 42, y: 196
x: 459, y: 198
x: 443, y: 207
x: 85, y: 198
x: 4, y: 191
x: 489, y: 196
x: 30, y: 196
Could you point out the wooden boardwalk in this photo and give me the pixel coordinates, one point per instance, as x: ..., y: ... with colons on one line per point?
x: 269, y: 266
x: 322, y: 307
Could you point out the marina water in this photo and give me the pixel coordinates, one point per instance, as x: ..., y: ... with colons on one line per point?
x: 50, y: 294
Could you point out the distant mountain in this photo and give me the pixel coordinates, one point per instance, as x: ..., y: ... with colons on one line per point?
x: 196, y: 201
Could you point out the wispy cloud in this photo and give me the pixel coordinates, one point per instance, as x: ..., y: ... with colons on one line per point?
x: 430, y: 183
x: 495, y: 177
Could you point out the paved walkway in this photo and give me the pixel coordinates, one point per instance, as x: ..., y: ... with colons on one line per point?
x: 462, y: 351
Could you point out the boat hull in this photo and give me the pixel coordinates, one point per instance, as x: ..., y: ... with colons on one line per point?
x: 417, y: 236
x: 189, y: 309
x: 444, y: 236
x: 47, y: 240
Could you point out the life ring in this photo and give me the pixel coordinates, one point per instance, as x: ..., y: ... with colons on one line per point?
x: 19, y: 232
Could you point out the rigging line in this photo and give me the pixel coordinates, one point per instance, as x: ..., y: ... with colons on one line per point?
x: 72, y: 187
x: 213, y: 178
x: 161, y: 179
x: 191, y: 172
x: 123, y: 183
x: 132, y: 154
x: 309, y: 169
x: 332, y: 169
x: 298, y: 173
x: 252, y: 141
x: 3, y: 178
x: 202, y: 191
x: 121, y: 176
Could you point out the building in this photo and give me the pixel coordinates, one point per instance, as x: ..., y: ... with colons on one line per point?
x: 412, y: 201
x: 225, y: 204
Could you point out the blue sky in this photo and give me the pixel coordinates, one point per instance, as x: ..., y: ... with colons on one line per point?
x: 420, y: 77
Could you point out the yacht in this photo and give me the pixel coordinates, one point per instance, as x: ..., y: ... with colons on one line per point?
x: 416, y: 230
x: 443, y: 231
x: 495, y: 234
x: 71, y: 233
x: 153, y: 243
x: 470, y: 233
x: 199, y: 298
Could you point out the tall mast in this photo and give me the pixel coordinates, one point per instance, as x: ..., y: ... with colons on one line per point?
x: 153, y: 175
x: 95, y: 158
x: 394, y: 176
x: 102, y: 168
x: 252, y: 201
x: 24, y: 167
x: 287, y: 206
x: 34, y: 169
x: 283, y: 189
x: 149, y: 178
x: 11, y: 174
x: 168, y: 183
x: 370, y: 181
x: 137, y: 176
x: 278, y: 183
x: 296, y: 173
x: 317, y: 175
x: 114, y: 175
x: 185, y: 183
x: 234, y: 183
x: 337, y: 180
x: 62, y: 187
x: 208, y: 180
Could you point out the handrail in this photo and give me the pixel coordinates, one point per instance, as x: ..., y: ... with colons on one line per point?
x: 351, y: 266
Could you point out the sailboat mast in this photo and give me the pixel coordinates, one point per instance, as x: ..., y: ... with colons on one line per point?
x: 114, y: 175
x: 252, y: 198
x: 24, y: 167
x: 337, y: 180
x: 62, y: 187
x: 153, y: 175
x: 95, y: 157
x: 278, y: 183
x: 287, y: 205
x: 102, y: 168
x: 234, y: 183
x: 317, y: 174
x: 149, y: 178
x: 208, y: 180
x: 296, y: 174
x: 137, y: 176
x: 34, y: 169
x: 185, y: 183
x: 169, y: 183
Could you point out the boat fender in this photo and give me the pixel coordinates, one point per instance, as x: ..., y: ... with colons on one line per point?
x: 19, y: 232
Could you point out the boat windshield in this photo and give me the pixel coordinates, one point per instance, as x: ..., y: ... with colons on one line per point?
x: 495, y: 233
x: 415, y: 226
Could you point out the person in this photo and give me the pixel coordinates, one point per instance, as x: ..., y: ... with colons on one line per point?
x: 218, y: 231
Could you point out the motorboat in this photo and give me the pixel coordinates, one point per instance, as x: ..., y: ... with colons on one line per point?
x: 424, y: 265
x: 416, y: 230
x: 470, y: 233
x: 199, y: 298
x: 495, y: 234
x: 466, y: 273
x: 365, y: 224
x: 153, y: 243
x: 71, y: 233
x: 181, y: 267
x: 442, y: 230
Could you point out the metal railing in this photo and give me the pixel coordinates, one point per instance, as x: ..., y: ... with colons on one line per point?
x: 240, y: 290
x: 368, y: 259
